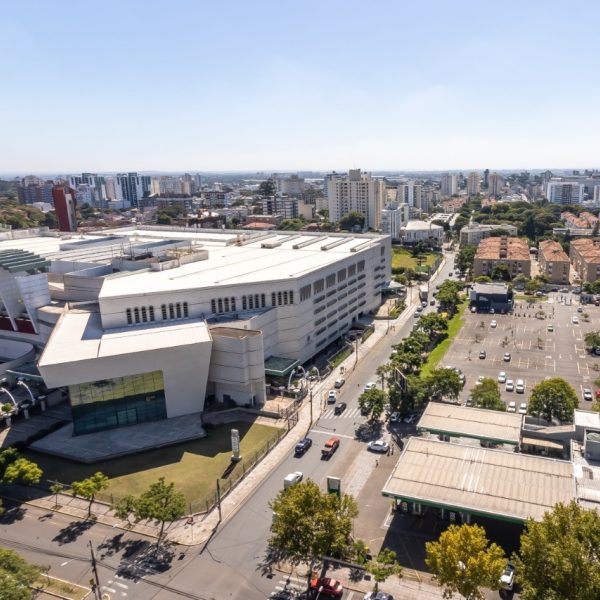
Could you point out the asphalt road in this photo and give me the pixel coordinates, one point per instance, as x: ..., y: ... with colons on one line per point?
x: 229, y: 566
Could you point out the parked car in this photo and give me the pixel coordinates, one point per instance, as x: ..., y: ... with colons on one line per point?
x: 564, y: 290
x: 432, y: 302
x: 327, y: 587
x: 579, y: 309
x: 380, y: 446
x: 550, y: 328
x: 395, y: 417
x: 509, y: 386
x: 482, y: 354
x: 410, y: 419
x: 523, y: 408
x: 292, y: 479
x: 378, y: 596
x: 512, y: 407
x: 473, y: 309
x: 331, y: 397
x: 423, y: 304
x: 587, y: 394
x: 370, y: 386
x: 339, y: 408
x: 339, y: 382
x: 507, y: 357
x: 507, y: 579
x: 492, y: 311
x: 331, y: 445
x: 502, y: 377
x: 419, y: 311
x: 302, y: 446
x: 575, y: 319
x: 520, y: 386
x: 493, y: 324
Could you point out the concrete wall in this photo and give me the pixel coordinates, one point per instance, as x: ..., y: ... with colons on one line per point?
x: 17, y: 353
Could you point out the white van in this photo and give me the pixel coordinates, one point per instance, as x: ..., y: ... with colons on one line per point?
x: 292, y: 479
x: 520, y: 386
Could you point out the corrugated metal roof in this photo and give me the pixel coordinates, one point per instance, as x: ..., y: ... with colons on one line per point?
x: 475, y: 423
x: 479, y: 480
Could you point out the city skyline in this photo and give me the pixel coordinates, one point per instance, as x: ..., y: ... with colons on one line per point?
x: 194, y: 87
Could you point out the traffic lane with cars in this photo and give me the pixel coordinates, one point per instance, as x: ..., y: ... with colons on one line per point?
x: 535, y: 351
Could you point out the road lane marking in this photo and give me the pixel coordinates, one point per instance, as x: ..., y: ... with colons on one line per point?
x: 332, y: 433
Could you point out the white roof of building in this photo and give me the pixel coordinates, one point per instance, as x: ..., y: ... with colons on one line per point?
x: 587, y: 419
x: 80, y: 335
x: 417, y: 225
x: 271, y: 257
x: 480, y: 480
x: 471, y: 422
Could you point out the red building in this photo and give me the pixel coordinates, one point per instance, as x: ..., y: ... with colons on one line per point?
x: 64, y: 205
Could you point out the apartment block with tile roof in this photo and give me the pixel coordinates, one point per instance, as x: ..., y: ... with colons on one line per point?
x: 510, y: 251
x: 554, y: 262
x: 585, y: 258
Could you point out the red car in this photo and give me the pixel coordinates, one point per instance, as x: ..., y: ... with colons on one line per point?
x: 327, y: 587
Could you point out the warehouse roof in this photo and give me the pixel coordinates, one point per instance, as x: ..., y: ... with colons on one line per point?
x: 475, y: 423
x: 477, y: 480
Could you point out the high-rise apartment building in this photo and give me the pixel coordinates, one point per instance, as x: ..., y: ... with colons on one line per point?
x: 356, y: 192
x: 393, y: 218
x: 290, y: 186
x: 91, y: 189
x: 562, y: 192
x: 33, y: 189
x: 486, y: 179
x: 473, y: 184
x: 131, y: 188
x: 448, y: 185
x: 495, y: 184
x: 64, y: 205
x: 409, y: 193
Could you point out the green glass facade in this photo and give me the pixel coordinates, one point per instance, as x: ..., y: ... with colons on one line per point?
x: 117, y: 402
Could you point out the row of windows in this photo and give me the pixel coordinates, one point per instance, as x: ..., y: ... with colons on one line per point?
x: 282, y: 298
x: 145, y: 314
x: 141, y: 314
x: 253, y: 301
x: 330, y: 280
x: 305, y: 293
x: 222, y: 305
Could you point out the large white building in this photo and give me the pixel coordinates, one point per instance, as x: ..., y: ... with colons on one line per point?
x: 356, y: 192
x: 393, y: 217
x: 158, y: 319
x: 422, y: 231
x: 563, y: 192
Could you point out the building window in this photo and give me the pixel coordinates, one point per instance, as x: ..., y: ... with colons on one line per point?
x: 178, y: 308
x: 341, y: 275
x: 151, y: 312
x: 226, y: 304
x: 144, y: 314
x: 233, y: 304
x: 279, y: 299
x: 285, y: 297
x: 318, y: 286
x: 244, y: 303
x: 331, y: 280
x: 163, y: 310
x: 171, y: 311
x: 136, y: 314
x: 220, y: 304
x: 304, y: 293
x: 251, y: 302
x: 263, y: 301
x: 129, y: 319
x: 273, y: 299
x: 291, y: 297
x: 361, y: 266
x: 213, y: 306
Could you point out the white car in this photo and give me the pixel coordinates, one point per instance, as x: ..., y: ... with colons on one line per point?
x: 331, y: 397
x: 523, y: 408
x: 395, y: 417
x: 502, y: 377
x: 507, y: 579
x: 575, y: 319
x: 550, y: 328
x: 512, y: 407
x: 587, y: 394
x: 293, y: 479
x: 509, y: 386
x: 370, y: 386
x: 380, y: 446
x: 520, y: 386
x: 493, y: 324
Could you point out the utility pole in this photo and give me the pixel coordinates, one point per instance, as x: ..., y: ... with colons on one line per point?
x: 356, y: 353
x: 311, y: 406
x: 96, y: 581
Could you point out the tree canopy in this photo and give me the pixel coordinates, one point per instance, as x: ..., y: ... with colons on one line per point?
x: 372, y: 402
x: 559, y: 556
x: 88, y: 488
x: 442, y: 383
x: 267, y: 188
x: 14, y: 468
x: 351, y: 220
x: 464, y: 561
x: 486, y: 394
x: 16, y: 575
x: 383, y: 565
x: 465, y: 258
x: 309, y: 524
x: 592, y: 339
x: 553, y: 399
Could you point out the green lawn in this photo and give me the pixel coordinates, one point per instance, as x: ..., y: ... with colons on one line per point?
x: 193, y: 466
x: 401, y: 257
x: 440, y: 350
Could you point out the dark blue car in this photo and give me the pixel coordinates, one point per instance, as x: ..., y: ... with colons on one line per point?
x: 302, y: 446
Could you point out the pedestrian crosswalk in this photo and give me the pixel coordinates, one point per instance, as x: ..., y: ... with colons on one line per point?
x: 290, y: 584
x: 115, y: 587
x: 349, y: 413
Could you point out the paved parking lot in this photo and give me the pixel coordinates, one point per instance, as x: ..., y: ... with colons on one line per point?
x: 536, y: 353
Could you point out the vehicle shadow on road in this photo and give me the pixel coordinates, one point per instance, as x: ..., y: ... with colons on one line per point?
x: 72, y: 531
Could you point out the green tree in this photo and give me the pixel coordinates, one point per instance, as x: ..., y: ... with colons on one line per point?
x: 464, y: 561
x: 56, y: 489
x: 433, y: 324
x: 160, y: 502
x: 16, y: 576
x: 553, y: 399
x: 125, y: 508
x: 16, y: 469
x: 309, y: 523
x: 448, y: 295
x: 384, y: 565
x: 532, y: 286
x: 501, y: 272
x: 407, y: 361
x: 351, y: 220
x: 372, y: 402
x: 465, y: 258
x: 487, y: 395
x: 88, y: 488
x: 443, y: 383
x: 559, y: 556
x: 482, y: 279
x: 592, y: 339
x: 267, y: 188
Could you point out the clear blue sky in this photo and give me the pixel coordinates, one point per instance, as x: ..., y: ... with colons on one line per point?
x: 243, y: 85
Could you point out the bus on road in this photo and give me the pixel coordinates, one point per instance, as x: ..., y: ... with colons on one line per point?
x: 423, y: 293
